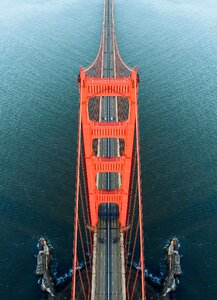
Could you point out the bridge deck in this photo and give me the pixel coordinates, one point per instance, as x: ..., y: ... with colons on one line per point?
x: 108, y: 265
x: 108, y: 268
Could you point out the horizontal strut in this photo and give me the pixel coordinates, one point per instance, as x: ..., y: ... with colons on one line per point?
x: 108, y: 129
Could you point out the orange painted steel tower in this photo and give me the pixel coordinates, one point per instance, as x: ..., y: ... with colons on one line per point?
x: 126, y: 87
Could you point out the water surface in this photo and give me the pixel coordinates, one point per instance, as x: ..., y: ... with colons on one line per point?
x: 42, y: 45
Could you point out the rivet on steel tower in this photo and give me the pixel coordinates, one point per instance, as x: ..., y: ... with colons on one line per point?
x: 108, y: 225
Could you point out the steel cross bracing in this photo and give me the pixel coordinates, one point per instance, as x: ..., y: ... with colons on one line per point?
x: 108, y: 193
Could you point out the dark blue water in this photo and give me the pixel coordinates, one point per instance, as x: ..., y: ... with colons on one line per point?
x: 42, y: 45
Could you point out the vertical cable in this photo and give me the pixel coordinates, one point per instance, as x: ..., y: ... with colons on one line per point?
x: 135, y: 282
x: 82, y: 284
x: 86, y: 196
x: 133, y: 252
x: 85, y: 227
x: 132, y: 222
x: 84, y: 256
x: 140, y: 207
x: 76, y: 210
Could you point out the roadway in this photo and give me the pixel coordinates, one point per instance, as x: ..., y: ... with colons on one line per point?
x: 108, y: 248
x: 108, y: 261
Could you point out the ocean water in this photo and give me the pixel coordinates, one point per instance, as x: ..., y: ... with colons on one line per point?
x: 42, y: 45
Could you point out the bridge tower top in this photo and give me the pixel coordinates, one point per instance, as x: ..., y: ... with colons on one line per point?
x: 127, y: 88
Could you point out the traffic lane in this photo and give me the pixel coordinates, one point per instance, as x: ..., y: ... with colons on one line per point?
x: 115, y: 275
x: 101, y: 265
x: 109, y: 273
x: 108, y: 259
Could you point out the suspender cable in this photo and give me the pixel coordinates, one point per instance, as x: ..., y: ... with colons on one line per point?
x: 82, y: 284
x: 133, y: 252
x: 131, y: 188
x: 85, y: 187
x: 132, y: 220
x: 83, y: 213
x: 84, y: 256
x: 76, y: 210
x: 131, y: 212
x: 140, y: 209
x: 135, y: 282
